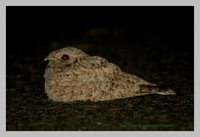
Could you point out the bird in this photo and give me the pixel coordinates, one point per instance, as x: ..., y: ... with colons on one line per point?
x: 73, y: 75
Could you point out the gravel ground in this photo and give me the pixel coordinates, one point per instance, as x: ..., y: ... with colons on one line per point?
x: 162, y: 57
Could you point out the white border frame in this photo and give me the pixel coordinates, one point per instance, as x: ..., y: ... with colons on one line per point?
x: 5, y: 3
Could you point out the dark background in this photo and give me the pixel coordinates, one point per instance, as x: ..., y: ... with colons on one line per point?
x: 155, y: 43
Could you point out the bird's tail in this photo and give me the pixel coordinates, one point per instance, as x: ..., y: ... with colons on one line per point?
x: 154, y: 89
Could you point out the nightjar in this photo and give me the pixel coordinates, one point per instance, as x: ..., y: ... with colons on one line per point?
x: 72, y: 75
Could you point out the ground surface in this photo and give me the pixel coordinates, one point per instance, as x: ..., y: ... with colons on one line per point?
x: 28, y: 107
x: 163, y: 59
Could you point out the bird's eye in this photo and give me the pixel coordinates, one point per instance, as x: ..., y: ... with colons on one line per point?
x: 65, y: 57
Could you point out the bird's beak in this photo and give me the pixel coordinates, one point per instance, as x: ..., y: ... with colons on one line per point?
x: 46, y: 59
x: 49, y: 58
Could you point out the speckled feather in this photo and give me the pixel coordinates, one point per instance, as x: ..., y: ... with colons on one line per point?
x: 83, y: 77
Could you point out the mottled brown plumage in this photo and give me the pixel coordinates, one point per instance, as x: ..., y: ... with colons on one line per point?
x: 73, y: 75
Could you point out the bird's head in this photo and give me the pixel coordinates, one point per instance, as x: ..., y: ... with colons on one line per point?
x: 66, y: 55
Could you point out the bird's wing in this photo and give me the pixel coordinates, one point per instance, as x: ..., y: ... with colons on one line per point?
x: 94, y: 62
x: 99, y: 64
